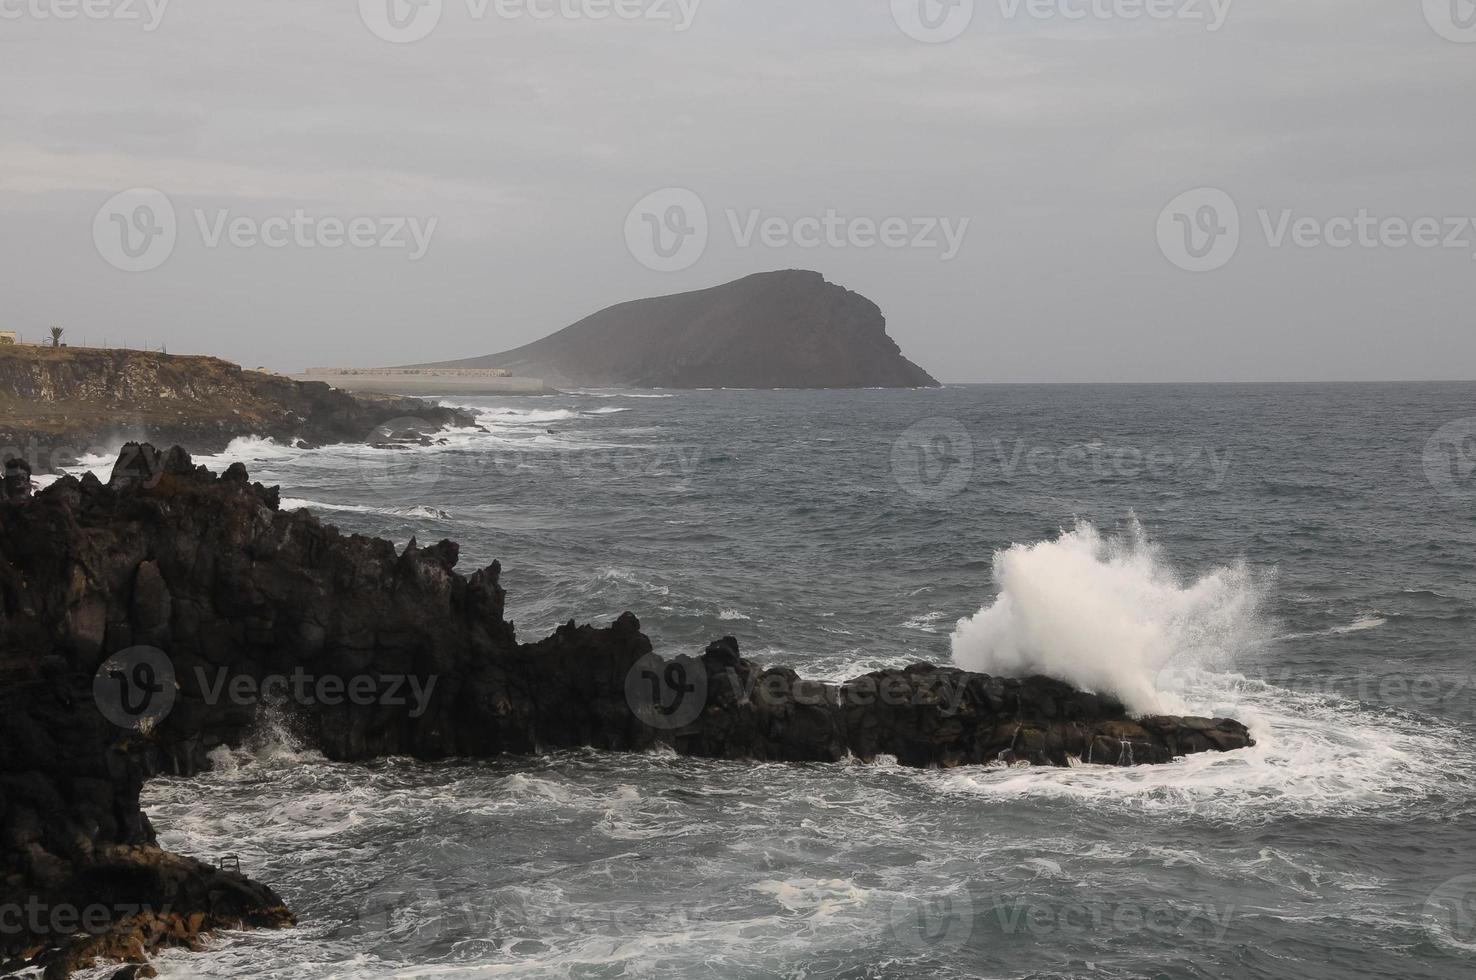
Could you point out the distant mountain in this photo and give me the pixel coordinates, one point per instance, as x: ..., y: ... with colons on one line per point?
x: 773, y: 330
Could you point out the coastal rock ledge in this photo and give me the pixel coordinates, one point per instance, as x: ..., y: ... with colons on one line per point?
x: 143, y: 623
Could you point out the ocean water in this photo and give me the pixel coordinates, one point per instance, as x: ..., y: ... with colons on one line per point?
x: 1299, y: 557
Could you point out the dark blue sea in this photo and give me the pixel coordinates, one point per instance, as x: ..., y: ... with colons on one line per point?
x: 1301, y: 557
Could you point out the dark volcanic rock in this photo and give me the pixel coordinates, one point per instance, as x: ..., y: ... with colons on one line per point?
x: 15, y: 480
x: 773, y: 330
x: 148, y: 621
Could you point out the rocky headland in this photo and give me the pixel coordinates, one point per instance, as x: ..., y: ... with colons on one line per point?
x: 789, y: 329
x: 59, y: 403
x: 143, y: 622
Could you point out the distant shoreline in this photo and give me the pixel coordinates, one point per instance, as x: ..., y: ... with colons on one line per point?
x: 428, y: 382
x: 58, y: 404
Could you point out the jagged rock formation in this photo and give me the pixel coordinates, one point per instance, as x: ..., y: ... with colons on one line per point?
x: 63, y: 402
x: 143, y: 623
x: 773, y: 330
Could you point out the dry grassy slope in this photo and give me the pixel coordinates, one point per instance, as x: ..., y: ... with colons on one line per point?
x: 73, y: 400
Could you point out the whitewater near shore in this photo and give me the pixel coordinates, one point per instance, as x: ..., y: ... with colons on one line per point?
x: 1292, y: 588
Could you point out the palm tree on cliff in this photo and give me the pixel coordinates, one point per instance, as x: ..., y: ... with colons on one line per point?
x: 56, y: 336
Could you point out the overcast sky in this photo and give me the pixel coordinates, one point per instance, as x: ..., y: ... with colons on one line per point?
x: 518, y: 146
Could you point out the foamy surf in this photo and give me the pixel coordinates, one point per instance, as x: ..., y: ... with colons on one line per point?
x: 1315, y: 755
x: 420, y: 512
x: 613, y: 393
x: 1361, y: 624
x: 1109, y: 614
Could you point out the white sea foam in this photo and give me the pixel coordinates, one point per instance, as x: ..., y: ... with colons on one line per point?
x: 1364, y: 622
x: 624, y: 576
x: 927, y: 622
x: 99, y: 465
x: 619, y: 394
x: 522, y: 416
x: 1368, y: 622
x: 1108, y: 613
x: 420, y: 512
x: 251, y: 449
x: 1315, y: 755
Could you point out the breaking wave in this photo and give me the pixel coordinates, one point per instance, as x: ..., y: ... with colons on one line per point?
x: 1108, y: 614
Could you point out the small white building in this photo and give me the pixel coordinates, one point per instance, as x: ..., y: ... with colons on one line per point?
x: 9, y: 337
